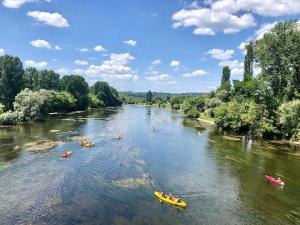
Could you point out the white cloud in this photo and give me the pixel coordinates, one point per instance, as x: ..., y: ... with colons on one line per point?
x: 265, y: 28
x: 99, y: 48
x: 81, y: 62
x: 264, y: 8
x: 2, y: 52
x: 14, y: 3
x: 56, y: 47
x: 221, y: 54
x: 197, y: 73
x: 52, y: 19
x: 130, y: 42
x: 83, y: 49
x: 78, y: 71
x: 160, y: 77
x: 175, y: 63
x: 156, y: 62
x: 39, y: 43
x: 62, y: 71
x: 259, y: 34
x: 115, y: 68
x: 237, y: 68
x: 38, y: 65
x: 207, y: 21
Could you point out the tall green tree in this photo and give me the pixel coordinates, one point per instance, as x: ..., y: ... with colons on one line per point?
x: 248, y: 62
x: 225, y: 80
x: 11, y: 72
x: 149, y: 96
x: 48, y: 80
x: 30, y: 78
x: 278, y: 54
x: 78, y: 87
x: 105, y: 93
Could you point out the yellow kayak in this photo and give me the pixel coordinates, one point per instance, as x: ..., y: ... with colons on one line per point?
x: 170, y: 200
x: 88, y: 145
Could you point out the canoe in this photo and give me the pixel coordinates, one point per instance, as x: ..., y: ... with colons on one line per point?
x: 68, y: 154
x: 89, y: 145
x: 274, y: 180
x: 166, y: 198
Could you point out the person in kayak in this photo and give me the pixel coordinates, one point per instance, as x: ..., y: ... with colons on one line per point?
x: 170, y: 196
x: 179, y: 199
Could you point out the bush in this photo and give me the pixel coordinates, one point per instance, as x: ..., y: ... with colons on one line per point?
x: 10, y: 118
x: 34, y: 105
x: 95, y: 102
x: 193, y: 113
x: 289, y: 118
x: 63, y: 102
x: 2, y: 108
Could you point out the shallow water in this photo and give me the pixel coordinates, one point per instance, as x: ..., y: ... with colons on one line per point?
x: 113, y: 183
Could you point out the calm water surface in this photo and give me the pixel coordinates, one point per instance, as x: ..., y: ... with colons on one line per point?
x: 222, y: 180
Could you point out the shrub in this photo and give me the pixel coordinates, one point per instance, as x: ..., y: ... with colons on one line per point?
x: 95, y: 102
x: 193, y: 113
x: 289, y: 118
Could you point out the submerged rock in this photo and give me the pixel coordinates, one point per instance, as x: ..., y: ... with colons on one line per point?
x: 133, y: 182
x: 41, y: 145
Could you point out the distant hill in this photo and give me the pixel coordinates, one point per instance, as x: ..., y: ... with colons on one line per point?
x: 143, y: 95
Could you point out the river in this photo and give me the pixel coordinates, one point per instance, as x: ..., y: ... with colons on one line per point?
x: 221, y: 180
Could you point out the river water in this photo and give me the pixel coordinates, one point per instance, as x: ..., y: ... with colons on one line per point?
x: 221, y: 180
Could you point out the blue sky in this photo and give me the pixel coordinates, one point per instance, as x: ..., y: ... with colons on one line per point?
x: 162, y: 45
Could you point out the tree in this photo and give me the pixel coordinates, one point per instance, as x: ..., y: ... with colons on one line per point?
x: 48, y: 80
x: 248, y: 62
x: 149, y: 96
x: 278, y: 55
x: 32, y: 105
x: 11, y: 72
x: 289, y: 117
x: 105, y: 93
x: 78, y: 87
x: 225, y: 80
x: 63, y: 102
x: 30, y: 78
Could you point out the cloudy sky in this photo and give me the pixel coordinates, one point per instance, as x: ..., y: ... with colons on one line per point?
x: 162, y: 45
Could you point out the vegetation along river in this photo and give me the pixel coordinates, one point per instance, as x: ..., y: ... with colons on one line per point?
x: 221, y: 179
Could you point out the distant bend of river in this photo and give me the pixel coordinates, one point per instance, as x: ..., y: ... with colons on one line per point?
x: 221, y: 180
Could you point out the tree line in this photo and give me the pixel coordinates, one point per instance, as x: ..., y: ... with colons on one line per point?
x: 31, y: 94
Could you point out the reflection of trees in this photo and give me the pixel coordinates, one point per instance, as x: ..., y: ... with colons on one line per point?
x: 148, y: 110
x: 247, y: 168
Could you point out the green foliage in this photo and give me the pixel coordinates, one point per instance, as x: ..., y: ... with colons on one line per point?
x: 32, y: 105
x: 289, y: 118
x: 278, y: 54
x: 63, y: 102
x: 248, y: 62
x: 193, y: 113
x: 149, y: 96
x: 175, y: 101
x: 11, y: 72
x: 225, y: 80
x: 10, y: 118
x: 2, y: 108
x: 48, y: 80
x: 95, y: 102
x: 108, y: 95
x: 78, y: 87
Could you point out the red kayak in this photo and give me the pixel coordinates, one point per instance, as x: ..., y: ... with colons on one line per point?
x: 274, y: 180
